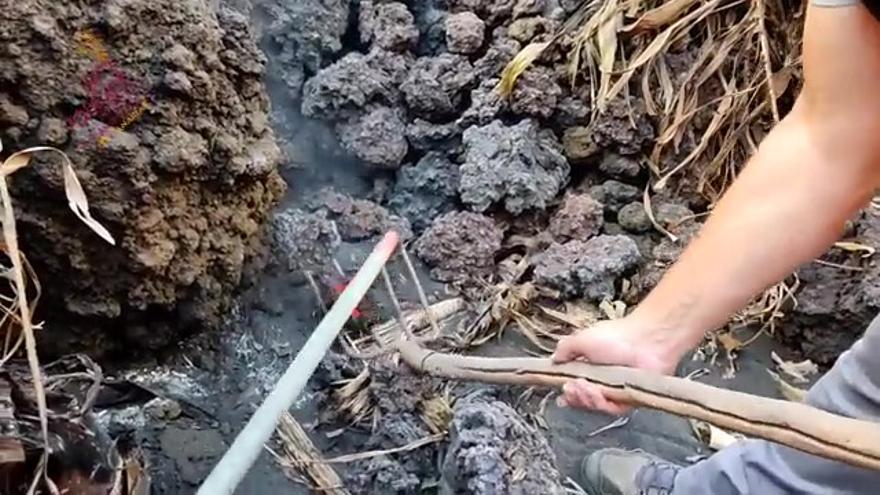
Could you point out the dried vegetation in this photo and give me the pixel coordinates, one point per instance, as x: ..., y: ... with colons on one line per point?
x: 57, y: 397
x: 715, y: 74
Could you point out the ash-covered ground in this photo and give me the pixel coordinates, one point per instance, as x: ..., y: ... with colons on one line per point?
x: 387, y: 117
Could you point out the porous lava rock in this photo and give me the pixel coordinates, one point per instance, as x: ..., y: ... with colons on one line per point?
x: 624, y: 127
x: 633, y: 218
x: 493, y: 449
x: 435, y: 86
x: 425, y: 190
x: 303, y: 240
x: 460, y: 246
x: 378, y: 137
x: 346, y: 87
x: 834, y: 307
x: 358, y: 219
x: 306, y: 33
x: 464, y: 32
x: 579, y: 218
x: 536, y: 93
x: 615, y: 195
x: 520, y: 166
x: 185, y: 189
x: 389, y: 26
x: 619, y: 167
x: 587, y: 269
x: 398, y: 394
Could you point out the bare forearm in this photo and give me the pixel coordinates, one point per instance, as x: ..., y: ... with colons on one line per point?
x: 788, y: 205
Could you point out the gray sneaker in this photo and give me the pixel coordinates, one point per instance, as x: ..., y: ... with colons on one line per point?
x: 626, y: 472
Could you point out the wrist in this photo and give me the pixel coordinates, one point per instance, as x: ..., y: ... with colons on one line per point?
x: 669, y: 338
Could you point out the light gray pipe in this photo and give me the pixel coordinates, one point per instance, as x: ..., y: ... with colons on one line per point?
x: 227, y: 474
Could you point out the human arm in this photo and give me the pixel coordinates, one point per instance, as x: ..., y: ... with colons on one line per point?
x: 810, y: 174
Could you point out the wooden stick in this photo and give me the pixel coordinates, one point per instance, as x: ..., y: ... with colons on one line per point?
x: 793, y: 424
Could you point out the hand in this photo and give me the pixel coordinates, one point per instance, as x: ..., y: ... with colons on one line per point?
x: 624, y: 342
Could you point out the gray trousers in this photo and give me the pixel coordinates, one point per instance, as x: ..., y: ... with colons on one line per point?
x: 850, y: 388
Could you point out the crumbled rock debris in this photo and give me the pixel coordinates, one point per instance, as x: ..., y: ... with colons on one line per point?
x: 425, y: 190
x: 302, y: 240
x: 492, y: 11
x: 619, y: 167
x: 615, y: 195
x: 377, y: 137
x: 536, y: 93
x: 834, y: 307
x: 587, y: 269
x: 493, y: 449
x: 525, y: 8
x: 381, y: 474
x: 334, y: 368
x: 392, y: 27
x: 435, y: 86
x: 460, y: 246
x: 579, y: 218
x: 358, y: 219
x: 464, y: 32
x: 613, y: 129
x: 832, y: 311
x: 633, y: 218
x: 520, y: 166
x: 347, y: 86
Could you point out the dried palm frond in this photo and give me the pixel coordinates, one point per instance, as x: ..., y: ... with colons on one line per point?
x: 353, y: 396
x: 437, y: 411
x: 18, y: 307
x: 301, y: 456
x: 733, y: 61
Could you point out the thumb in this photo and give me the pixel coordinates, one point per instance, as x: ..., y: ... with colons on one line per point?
x: 567, y: 349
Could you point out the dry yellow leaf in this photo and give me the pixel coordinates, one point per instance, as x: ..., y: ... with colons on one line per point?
x: 518, y: 65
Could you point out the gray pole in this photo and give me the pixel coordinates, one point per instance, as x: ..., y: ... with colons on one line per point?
x: 226, y: 475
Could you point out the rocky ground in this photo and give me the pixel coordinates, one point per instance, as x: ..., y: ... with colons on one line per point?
x: 384, y: 115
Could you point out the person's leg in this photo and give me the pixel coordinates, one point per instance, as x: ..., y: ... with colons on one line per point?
x: 850, y: 388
